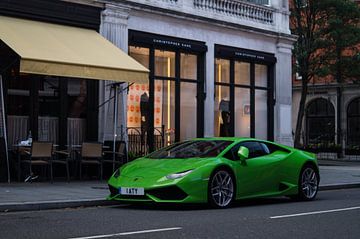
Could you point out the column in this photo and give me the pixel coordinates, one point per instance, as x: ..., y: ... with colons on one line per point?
x: 209, y: 89
x: 114, y: 27
x: 283, y: 93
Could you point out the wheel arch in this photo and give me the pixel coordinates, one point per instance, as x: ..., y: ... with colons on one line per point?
x: 228, y: 169
x: 225, y: 167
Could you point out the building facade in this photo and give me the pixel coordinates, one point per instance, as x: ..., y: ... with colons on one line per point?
x: 51, y: 61
x: 331, y: 122
x: 332, y: 116
x: 217, y: 68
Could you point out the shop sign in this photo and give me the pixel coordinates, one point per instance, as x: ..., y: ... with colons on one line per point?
x: 244, y: 54
x: 161, y: 41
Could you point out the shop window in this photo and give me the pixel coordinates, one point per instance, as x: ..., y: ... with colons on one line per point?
x: 249, y: 96
x: 77, y: 93
x: 242, y: 73
x: 138, y: 96
x: 261, y: 114
x: 49, y: 97
x: 188, y: 66
x: 242, y: 112
x: 261, y: 75
x: 222, y: 111
x: 164, y: 63
x: 222, y: 71
x: 175, y: 96
x: 353, y: 123
x: 188, y: 110
x: 175, y: 89
x: 320, y: 119
x: 165, y: 109
x: 18, y: 105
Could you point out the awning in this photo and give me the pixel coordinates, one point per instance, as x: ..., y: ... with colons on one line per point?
x: 51, y: 49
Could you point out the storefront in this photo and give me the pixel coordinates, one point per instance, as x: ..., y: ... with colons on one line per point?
x: 244, y: 99
x: 212, y: 72
x: 174, y: 96
x: 51, y: 61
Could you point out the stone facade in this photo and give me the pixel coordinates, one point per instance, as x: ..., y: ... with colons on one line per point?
x: 230, y: 23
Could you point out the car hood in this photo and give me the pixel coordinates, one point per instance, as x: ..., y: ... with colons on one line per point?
x: 149, y: 168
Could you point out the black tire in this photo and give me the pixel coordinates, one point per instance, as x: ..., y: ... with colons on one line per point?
x: 221, y: 189
x: 308, y: 184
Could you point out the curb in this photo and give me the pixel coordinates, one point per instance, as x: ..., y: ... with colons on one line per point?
x: 46, y: 205
x: 339, y: 186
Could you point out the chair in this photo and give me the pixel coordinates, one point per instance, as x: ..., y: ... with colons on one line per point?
x: 118, y: 157
x: 91, y: 154
x: 62, y: 157
x: 40, y: 155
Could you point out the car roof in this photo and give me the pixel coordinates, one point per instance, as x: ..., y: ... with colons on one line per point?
x: 235, y: 139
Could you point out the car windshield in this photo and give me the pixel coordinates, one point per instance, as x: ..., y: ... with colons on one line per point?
x: 192, y: 149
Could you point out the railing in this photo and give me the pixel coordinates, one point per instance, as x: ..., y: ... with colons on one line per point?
x: 238, y: 9
x: 325, y: 146
x: 260, y: 2
x: 137, y: 140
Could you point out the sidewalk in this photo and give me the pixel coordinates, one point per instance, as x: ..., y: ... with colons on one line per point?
x: 41, y: 196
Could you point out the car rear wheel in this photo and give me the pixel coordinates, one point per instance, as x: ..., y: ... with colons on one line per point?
x: 308, y: 183
x: 221, y: 189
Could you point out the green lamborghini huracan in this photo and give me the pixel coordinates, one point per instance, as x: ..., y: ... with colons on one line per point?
x: 217, y: 171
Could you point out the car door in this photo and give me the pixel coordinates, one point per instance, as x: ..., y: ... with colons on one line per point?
x: 259, y: 173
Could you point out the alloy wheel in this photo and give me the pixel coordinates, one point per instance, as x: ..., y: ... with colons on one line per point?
x: 222, y: 189
x: 309, y: 183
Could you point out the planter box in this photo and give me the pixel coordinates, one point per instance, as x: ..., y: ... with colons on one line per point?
x: 352, y: 151
x: 323, y: 150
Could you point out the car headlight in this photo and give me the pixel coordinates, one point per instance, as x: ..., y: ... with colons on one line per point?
x: 178, y: 175
x: 117, y: 173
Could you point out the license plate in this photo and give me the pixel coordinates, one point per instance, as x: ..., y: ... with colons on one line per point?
x: 131, y: 191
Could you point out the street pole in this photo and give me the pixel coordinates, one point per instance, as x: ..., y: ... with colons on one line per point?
x: 4, y: 127
x: 115, y: 86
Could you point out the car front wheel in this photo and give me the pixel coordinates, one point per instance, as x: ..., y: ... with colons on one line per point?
x: 308, y: 183
x: 221, y: 189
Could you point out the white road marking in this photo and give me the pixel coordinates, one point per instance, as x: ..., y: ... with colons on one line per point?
x: 129, y: 233
x: 315, y: 212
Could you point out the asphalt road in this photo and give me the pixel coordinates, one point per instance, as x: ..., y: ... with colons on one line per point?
x: 335, y: 214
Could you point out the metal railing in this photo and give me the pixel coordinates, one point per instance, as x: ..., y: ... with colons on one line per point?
x: 327, y: 147
x: 238, y: 9
x: 138, y: 140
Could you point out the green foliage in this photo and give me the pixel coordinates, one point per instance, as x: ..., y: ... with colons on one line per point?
x: 328, y: 43
x: 324, y: 147
x: 328, y: 32
x: 342, y: 32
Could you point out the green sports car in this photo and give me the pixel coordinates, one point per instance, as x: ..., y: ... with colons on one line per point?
x: 217, y: 171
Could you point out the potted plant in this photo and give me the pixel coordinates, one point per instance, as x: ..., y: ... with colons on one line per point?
x: 352, y: 150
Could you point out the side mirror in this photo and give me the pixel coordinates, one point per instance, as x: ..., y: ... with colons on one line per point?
x: 243, y: 153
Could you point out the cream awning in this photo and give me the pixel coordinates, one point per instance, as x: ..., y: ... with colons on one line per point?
x: 51, y: 49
